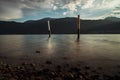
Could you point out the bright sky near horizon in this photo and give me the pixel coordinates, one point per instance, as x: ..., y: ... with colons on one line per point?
x: 22, y: 10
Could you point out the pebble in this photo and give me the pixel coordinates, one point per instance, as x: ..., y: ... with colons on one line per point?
x: 48, y: 62
x: 37, y: 51
x: 32, y: 65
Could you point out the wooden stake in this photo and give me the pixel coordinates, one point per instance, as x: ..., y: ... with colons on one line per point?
x: 49, y: 30
x: 78, y: 26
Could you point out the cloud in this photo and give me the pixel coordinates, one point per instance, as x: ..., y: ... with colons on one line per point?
x: 8, y: 14
x: 88, y: 4
x: 10, y: 10
x: 88, y: 9
x: 16, y: 9
x: 99, y: 9
x: 64, y: 13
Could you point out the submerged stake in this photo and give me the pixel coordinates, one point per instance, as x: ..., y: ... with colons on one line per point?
x: 49, y: 30
x: 78, y: 26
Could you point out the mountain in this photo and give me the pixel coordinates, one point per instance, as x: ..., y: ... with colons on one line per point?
x: 110, y: 25
x: 113, y: 19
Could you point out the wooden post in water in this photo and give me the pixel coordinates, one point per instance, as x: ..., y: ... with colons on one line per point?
x: 49, y: 30
x: 78, y: 24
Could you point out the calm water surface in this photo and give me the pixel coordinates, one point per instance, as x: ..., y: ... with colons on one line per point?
x: 102, y: 50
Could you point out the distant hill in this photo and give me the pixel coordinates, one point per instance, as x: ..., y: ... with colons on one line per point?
x: 113, y: 19
x: 67, y: 25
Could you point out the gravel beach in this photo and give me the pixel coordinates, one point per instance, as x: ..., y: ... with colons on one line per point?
x: 50, y: 71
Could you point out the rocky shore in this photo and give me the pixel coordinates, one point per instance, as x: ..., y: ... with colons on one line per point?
x: 49, y: 71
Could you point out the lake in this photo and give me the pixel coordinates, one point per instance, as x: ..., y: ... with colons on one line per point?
x: 92, y: 49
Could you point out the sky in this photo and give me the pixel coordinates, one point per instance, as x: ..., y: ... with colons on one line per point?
x: 23, y: 10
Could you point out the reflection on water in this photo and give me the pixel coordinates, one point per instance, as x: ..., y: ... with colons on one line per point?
x: 94, y: 48
x: 50, y: 46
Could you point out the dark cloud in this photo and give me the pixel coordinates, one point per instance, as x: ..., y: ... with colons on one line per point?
x: 10, y: 9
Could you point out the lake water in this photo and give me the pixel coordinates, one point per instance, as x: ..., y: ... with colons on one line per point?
x: 91, y: 49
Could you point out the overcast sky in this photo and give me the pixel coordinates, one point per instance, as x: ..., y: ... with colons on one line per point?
x: 22, y: 10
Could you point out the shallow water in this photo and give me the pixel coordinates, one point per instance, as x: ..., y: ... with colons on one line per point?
x: 94, y: 50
